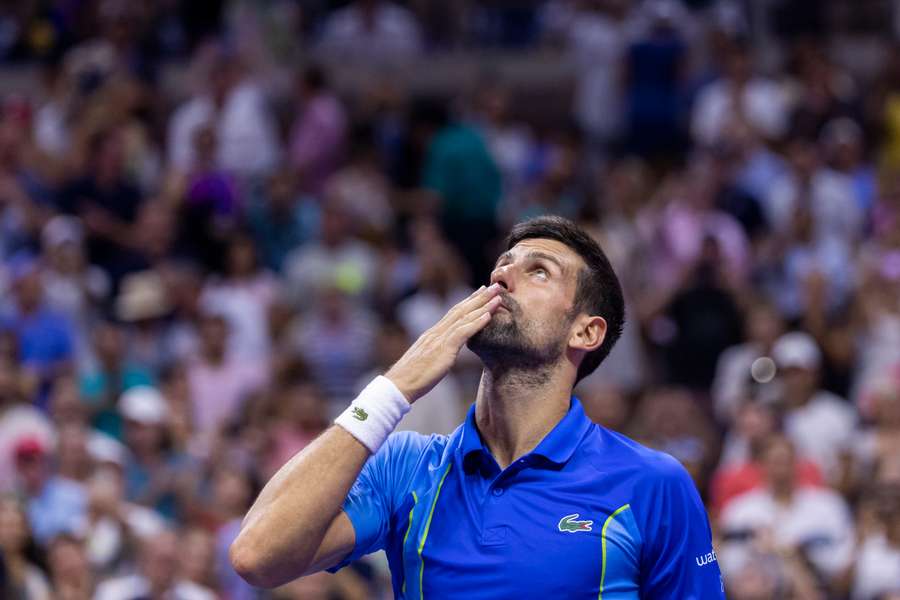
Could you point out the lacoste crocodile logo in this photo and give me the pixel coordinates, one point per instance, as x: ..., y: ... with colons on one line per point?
x: 570, y: 524
x: 359, y: 414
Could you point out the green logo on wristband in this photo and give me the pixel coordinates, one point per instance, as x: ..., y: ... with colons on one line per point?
x: 359, y: 414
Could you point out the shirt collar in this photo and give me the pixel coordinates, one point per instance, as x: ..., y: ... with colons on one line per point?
x: 557, y: 447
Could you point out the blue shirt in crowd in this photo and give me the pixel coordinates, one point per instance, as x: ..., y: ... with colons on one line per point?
x: 588, y: 514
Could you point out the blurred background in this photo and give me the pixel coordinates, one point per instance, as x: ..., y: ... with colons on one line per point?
x: 220, y: 219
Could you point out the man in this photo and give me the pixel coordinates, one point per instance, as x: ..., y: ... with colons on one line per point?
x: 801, y: 521
x: 55, y: 504
x: 820, y: 424
x: 44, y: 336
x: 157, y: 575
x: 528, y: 498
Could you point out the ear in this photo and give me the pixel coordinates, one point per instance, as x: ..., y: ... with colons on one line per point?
x: 588, y: 333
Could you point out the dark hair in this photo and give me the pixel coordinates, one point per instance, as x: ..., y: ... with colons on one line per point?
x: 315, y: 78
x: 598, y: 291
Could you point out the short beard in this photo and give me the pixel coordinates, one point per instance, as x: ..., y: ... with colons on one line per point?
x: 507, y: 351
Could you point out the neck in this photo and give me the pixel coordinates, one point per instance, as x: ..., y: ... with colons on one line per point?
x: 782, y: 492
x: 215, y: 356
x: 514, y: 411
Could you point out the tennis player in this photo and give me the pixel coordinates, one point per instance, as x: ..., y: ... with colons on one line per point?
x: 527, y: 498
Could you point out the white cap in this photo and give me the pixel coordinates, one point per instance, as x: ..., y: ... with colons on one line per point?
x: 144, y: 404
x: 61, y: 230
x: 142, y: 296
x: 106, y: 449
x: 797, y: 349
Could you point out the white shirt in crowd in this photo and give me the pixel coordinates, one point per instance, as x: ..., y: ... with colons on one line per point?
x: 836, y: 212
x: 762, y: 102
x: 133, y: 587
x: 816, y: 518
x: 877, y: 568
x: 247, y: 140
x: 822, y: 430
x: 392, y: 33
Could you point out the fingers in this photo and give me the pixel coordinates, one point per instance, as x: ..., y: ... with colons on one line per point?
x: 476, y: 300
x: 475, y: 321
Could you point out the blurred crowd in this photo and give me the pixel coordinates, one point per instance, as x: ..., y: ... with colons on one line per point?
x: 208, y: 247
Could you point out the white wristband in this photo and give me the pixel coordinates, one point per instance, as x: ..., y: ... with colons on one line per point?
x: 374, y: 414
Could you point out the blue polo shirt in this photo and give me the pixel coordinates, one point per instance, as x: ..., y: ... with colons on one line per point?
x: 588, y: 514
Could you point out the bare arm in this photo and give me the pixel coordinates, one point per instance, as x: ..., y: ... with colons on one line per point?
x: 295, y: 526
x: 276, y: 543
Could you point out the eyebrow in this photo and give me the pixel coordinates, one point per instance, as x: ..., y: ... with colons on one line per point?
x: 534, y: 254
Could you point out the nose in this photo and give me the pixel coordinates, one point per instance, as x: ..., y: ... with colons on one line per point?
x: 503, y: 276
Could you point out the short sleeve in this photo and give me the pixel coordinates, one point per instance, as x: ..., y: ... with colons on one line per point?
x: 678, y: 561
x: 376, y: 492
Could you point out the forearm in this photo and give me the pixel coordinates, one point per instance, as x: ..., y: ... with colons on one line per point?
x: 284, y: 528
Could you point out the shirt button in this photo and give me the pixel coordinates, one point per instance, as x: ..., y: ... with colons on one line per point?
x: 498, y: 491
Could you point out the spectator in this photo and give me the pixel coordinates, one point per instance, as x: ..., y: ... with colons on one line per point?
x: 235, y: 105
x: 823, y: 92
x: 596, y: 38
x: 219, y: 380
x: 705, y: 317
x: 336, y: 340
x: 739, y: 95
x: 371, y: 30
x: 827, y: 195
x: 232, y: 495
x: 114, y: 525
x: 301, y: 414
x: 442, y: 284
x: 734, y: 380
x: 19, y: 419
x: 556, y: 190
x: 244, y: 295
x: 843, y: 144
x: 360, y: 188
x: 281, y: 219
x: 209, y: 201
x: 461, y: 172
x: 813, y: 521
x: 881, y: 439
x: 684, y: 222
x: 877, y: 568
x: 605, y: 405
x: 70, y: 573
x: 113, y: 374
x: 336, y: 255
x: 44, y: 337
x: 143, y: 304
x: 198, y: 555
x: 54, y: 504
x: 319, y: 134
x: 820, y: 424
x: 510, y: 140
x: 157, y: 575
x: 23, y: 578
x: 654, y: 75
x: 671, y: 420
x: 72, y: 286
x: 107, y: 201
x: 740, y: 468
x: 154, y: 477
x: 74, y: 461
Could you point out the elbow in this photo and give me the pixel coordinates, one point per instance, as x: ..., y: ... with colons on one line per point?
x: 248, y: 562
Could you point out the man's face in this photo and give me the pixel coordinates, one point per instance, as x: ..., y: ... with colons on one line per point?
x: 532, y: 326
x: 778, y: 462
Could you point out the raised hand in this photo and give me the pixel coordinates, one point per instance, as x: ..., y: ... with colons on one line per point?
x: 432, y: 355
